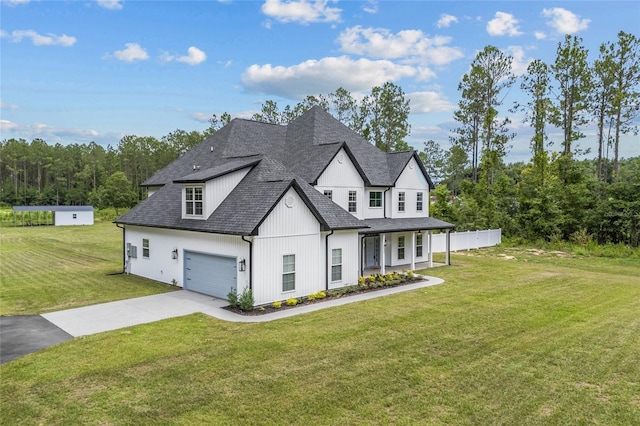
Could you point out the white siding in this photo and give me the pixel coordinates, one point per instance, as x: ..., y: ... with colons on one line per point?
x: 67, y: 218
x: 161, y: 267
x: 152, y: 190
x: 374, y: 212
x: 341, y: 176
x: 219, y: 188
x: 348, y: 241
x: 290, y: 228
x: 411, y: 181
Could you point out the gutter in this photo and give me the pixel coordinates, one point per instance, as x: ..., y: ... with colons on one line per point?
x: 124, y: 248
x: 384, y: 201
x: 250, y: 261
x: 326, y: 259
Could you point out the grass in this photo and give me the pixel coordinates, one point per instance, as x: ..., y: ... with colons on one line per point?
x: 48, y: 268
x: 512, y: 337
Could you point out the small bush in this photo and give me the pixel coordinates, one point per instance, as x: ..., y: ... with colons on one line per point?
x: 246, y: 300
x: 311, y: 297
x: 277, y: 304
x: 232, y: 298
x: 292, y: 301
x: 361, y: 281
x: 321, y: 295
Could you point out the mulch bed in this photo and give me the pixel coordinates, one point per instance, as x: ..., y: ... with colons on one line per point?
x: 267, y: 309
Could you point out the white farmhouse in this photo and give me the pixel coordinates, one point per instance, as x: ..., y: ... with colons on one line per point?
x: 285, y: 210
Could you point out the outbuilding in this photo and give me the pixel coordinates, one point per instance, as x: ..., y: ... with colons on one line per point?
x: 59, y: 216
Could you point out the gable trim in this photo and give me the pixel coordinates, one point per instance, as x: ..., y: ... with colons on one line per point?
x: 422, y: 169
x: 343, y: 145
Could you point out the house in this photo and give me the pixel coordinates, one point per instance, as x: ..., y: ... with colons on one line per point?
x: 284, y: 210
x: 60, y: 215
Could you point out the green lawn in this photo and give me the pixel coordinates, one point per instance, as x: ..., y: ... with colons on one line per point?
x: 540, y: 338
x: 48, y: 268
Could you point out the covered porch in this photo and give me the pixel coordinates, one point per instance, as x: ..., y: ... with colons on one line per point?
x: 389, y: 245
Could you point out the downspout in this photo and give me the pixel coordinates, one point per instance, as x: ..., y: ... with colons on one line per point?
x: 326, y: 259
x: 384, y: 201
x: 250, y: 261
x: 124, y: 248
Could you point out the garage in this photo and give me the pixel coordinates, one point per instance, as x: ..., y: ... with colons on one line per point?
x: 210, y: 274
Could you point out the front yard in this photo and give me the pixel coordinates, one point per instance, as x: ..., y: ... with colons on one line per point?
x: 512, y: 337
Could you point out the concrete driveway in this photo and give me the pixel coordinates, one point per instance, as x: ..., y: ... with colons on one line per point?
x: 20, y: 335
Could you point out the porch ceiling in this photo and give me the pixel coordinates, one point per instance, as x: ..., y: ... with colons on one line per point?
x: 377, y: 226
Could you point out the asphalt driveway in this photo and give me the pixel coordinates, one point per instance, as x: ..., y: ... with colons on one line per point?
x: 24, y: 334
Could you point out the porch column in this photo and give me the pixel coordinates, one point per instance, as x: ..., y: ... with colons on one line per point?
x: 413, y: 250
x: 448, y: 260
x: 430, y: 249
x: 383, y: 243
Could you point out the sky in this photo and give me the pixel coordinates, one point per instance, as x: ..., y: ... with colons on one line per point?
x: 83, y: 71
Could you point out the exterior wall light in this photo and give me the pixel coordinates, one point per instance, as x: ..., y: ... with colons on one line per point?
x: 174, y: 254
x: 242, y: 265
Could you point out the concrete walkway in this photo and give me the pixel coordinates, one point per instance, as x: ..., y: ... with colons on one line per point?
x: 141, y: 310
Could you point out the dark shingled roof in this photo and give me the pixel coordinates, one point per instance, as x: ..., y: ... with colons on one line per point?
x: 376, y: 226
x: 280, y: 157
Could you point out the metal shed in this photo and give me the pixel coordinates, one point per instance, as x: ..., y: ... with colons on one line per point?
x: 53, y: 215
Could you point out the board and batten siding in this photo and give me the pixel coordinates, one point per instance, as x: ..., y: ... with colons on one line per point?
x: 411, y: 181
x: 340, y: 177
x: 219, y: 188
x: 349, y: 242
x: 161, y: 267
x: 290, y: 228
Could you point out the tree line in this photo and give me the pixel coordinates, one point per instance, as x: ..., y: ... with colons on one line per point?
x: 552, y: 196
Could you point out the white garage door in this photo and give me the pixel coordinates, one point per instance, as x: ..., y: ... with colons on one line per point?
x: 210, y: 274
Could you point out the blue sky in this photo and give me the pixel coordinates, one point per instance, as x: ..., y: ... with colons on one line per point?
x: 82, y: 71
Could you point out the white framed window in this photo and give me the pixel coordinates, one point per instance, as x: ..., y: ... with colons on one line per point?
x: 288, y: 272
x: 145, y: 248
x: 193, y: 199
x: 419, y: 201
x: 418, y: 245
x: 75, y: 215
x: 400, y: 247
x: 375, y: 199
x: 336, y: 265
x: 328, y: 193
x: 401, y: 200
x: 353, y: 205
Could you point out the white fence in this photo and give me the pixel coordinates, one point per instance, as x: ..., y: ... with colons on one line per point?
x: 467, y: 240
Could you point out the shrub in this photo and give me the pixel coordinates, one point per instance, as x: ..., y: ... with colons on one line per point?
x: 361, y: 281
x: 246, y: 301
x: 321, y: 295
x: 311, y: 297
x: 232, y: 298
x: 277, y: 304
x: 292, y: 301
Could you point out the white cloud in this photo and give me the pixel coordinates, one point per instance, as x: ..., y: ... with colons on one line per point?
x: 426, y: 102
x: 301, y: 11
x: 110, y: 4
x: 194, y: 56
x: 201, y: 117
x: 322, y: 76
x: 371, y: 7
x: 520, y: 61
x: 503, y: 23
x: 408, y: 45
x: 4, y: 105
x: 133, y: 52
x: 540, y: 35
x: 7, y: 126
x: 564, y: 21
x: 446, y: 20
x: 40, y: 40
x: 15, y: 2
x: 47, y: 132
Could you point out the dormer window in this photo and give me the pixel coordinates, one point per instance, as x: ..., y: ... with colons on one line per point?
x: 193, y: 199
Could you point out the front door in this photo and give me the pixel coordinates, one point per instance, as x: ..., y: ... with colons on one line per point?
x: 372, y: 251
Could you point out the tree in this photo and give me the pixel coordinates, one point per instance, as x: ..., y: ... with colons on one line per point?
x: 116, y: 192
x: 433, y: 157
x: 573, y: 76
x: 538, y: 111
x: 490, y: 74
x: 384, y: 118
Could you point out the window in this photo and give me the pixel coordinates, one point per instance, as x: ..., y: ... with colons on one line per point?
x: 145, y: 248
x: 328, y: 193
x: 418, y: 245
x: 336, y: 265
x: 400, y: 201
x: 375, y: 199
x: 289, y: 272
x: 353, y: 205
x: 193, y: 201
x: 400, y: 247
x: 419, y: 201
x: 75, y: 215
